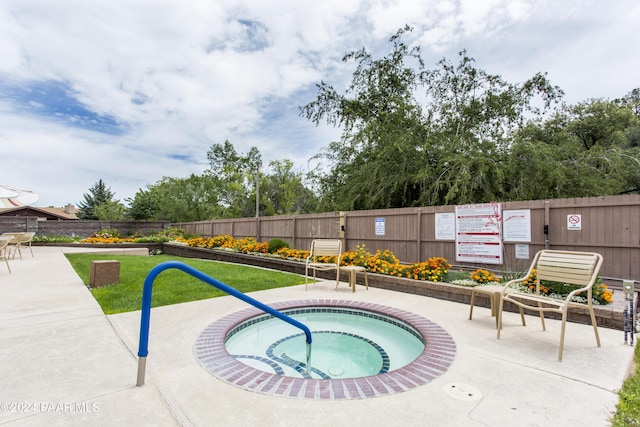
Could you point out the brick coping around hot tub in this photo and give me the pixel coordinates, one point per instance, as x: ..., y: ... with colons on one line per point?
x: 438, y: 355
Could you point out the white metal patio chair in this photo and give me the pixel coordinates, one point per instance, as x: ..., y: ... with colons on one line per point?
x: 573, y: 268
x: 14, y: 244
x: 4, y: 251
x: 324, y: 255
x: 25, y: 241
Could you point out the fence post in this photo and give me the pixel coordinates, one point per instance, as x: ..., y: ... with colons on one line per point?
x: 419, y: 234
x: 342, y: 232
x: 547, y: 242
x: 294, y: 237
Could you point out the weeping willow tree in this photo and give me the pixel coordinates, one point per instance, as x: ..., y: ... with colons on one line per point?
x: 413, y: 136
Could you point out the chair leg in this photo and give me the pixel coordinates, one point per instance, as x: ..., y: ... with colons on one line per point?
x: 473, y: 298
x: 562, y: 330
x: 366, y: 280
x: 493, y: 300
x: 337, y: 280
x: 544, y: 328
x: 353, y: 279
x: 500, y: 310
x: 595, y: 326
x: 306, y: 276
x: 15, y: 249
x: 522, y: 316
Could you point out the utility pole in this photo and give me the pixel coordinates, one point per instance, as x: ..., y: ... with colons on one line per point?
x: 257, y: 191
x: 258, y: 203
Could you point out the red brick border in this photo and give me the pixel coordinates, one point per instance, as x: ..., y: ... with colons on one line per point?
x: 438, y: 355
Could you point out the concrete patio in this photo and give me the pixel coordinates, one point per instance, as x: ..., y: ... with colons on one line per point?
x: 63, y: 362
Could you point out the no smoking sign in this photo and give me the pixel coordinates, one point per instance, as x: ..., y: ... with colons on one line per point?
x: 574, y: 222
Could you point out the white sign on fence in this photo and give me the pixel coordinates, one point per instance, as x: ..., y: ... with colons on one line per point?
x: 478, y: 233
x: 379, y: 226
x: 446, y: 226
x: 574, y: 222
x: 522, y: 251
x: 516, y: 225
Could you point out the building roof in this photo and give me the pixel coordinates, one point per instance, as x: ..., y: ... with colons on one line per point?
x: 66, y: 213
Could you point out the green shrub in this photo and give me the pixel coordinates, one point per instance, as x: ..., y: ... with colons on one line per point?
x: 276, y: 244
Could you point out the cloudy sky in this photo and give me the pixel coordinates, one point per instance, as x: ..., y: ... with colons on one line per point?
x: 129, y: 91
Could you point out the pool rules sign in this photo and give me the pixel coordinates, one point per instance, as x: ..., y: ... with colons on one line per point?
x: 479, y: 233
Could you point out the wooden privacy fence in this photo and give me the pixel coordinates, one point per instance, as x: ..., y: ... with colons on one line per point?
x: 608, y: 225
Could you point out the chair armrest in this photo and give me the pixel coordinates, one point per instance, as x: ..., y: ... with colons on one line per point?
x: 510, y: 283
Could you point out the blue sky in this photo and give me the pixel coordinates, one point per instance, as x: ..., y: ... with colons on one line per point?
x: 131, y: 91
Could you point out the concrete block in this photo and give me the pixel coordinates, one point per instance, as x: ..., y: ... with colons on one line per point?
x: 104, y: 273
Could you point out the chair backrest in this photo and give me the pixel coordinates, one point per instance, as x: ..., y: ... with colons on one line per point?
x: 15, y: 237
x: 4, y: 241
x: 576, y: 268
x: 326, y: 247
x: 26, y: 237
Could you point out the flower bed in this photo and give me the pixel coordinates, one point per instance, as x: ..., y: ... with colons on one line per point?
x: 383, y: 262
x: 435, y: 269
x: 112, y: 236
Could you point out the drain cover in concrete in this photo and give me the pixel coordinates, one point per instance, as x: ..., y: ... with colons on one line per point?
x: 462, y: 391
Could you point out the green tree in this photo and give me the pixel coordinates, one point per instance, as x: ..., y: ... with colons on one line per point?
x: 283, y: 192
x: 598, y: 122
x: 581, y: 151
x: 111, y: 210
x: 235, y: 176
x: 144, y: 206
x: 376, y: 161
x: 413, y: 136
x: 474, y: 116
x: 98, y: 194
x: 194, y: 198
x: 631, y: 100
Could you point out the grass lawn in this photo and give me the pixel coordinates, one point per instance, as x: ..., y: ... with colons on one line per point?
x: 174, y: 286
x: 628, y: 411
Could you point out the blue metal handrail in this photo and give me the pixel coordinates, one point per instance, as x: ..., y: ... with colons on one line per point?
x: 143, y: 345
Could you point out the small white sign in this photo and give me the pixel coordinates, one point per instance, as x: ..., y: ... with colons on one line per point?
x: 522, y: 251
x: 446, y: 226
x: 574, y: 222
x: 379, y: 226
x: 516, y: 225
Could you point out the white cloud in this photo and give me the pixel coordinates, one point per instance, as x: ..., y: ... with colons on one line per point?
x: 166, y: 80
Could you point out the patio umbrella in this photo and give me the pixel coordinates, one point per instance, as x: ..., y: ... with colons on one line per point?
x: 12, y: 197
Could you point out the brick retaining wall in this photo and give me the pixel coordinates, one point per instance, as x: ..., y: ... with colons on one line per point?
x: 78, y: 228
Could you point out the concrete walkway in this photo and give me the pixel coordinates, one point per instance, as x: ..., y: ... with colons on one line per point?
x: 63, y: 362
